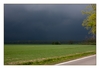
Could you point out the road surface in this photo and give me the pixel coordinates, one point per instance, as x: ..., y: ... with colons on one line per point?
x: 90, y: 60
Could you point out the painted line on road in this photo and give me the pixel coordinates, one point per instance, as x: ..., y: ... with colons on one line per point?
x: 76, y: 60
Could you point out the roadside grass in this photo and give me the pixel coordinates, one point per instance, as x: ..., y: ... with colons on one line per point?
x: 44, y: 54
x: 54, y: 60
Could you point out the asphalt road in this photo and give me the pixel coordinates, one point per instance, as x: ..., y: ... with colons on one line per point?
x: 90, y: 60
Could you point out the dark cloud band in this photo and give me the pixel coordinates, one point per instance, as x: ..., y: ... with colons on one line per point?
x: 43, y: 22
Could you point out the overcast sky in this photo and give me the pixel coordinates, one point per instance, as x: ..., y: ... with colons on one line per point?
x: 44, y: 22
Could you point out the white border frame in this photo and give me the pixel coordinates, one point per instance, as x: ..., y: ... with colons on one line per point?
x: 2, y: 2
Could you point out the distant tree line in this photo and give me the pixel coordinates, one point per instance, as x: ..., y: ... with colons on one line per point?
x: 56, y: 43
x: 40, y: 42
x: 89, y: 41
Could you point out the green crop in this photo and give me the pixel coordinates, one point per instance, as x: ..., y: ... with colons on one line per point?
x: 16, y: 54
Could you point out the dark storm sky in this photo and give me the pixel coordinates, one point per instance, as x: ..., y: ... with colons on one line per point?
x: 44, y: 22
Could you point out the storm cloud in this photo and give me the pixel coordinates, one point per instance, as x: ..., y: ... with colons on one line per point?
x: 44, y: 22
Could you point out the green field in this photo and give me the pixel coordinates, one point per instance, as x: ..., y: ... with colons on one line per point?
x: 19, y: 54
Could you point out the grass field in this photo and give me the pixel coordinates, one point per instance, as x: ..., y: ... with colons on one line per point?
x: 27, y: 54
